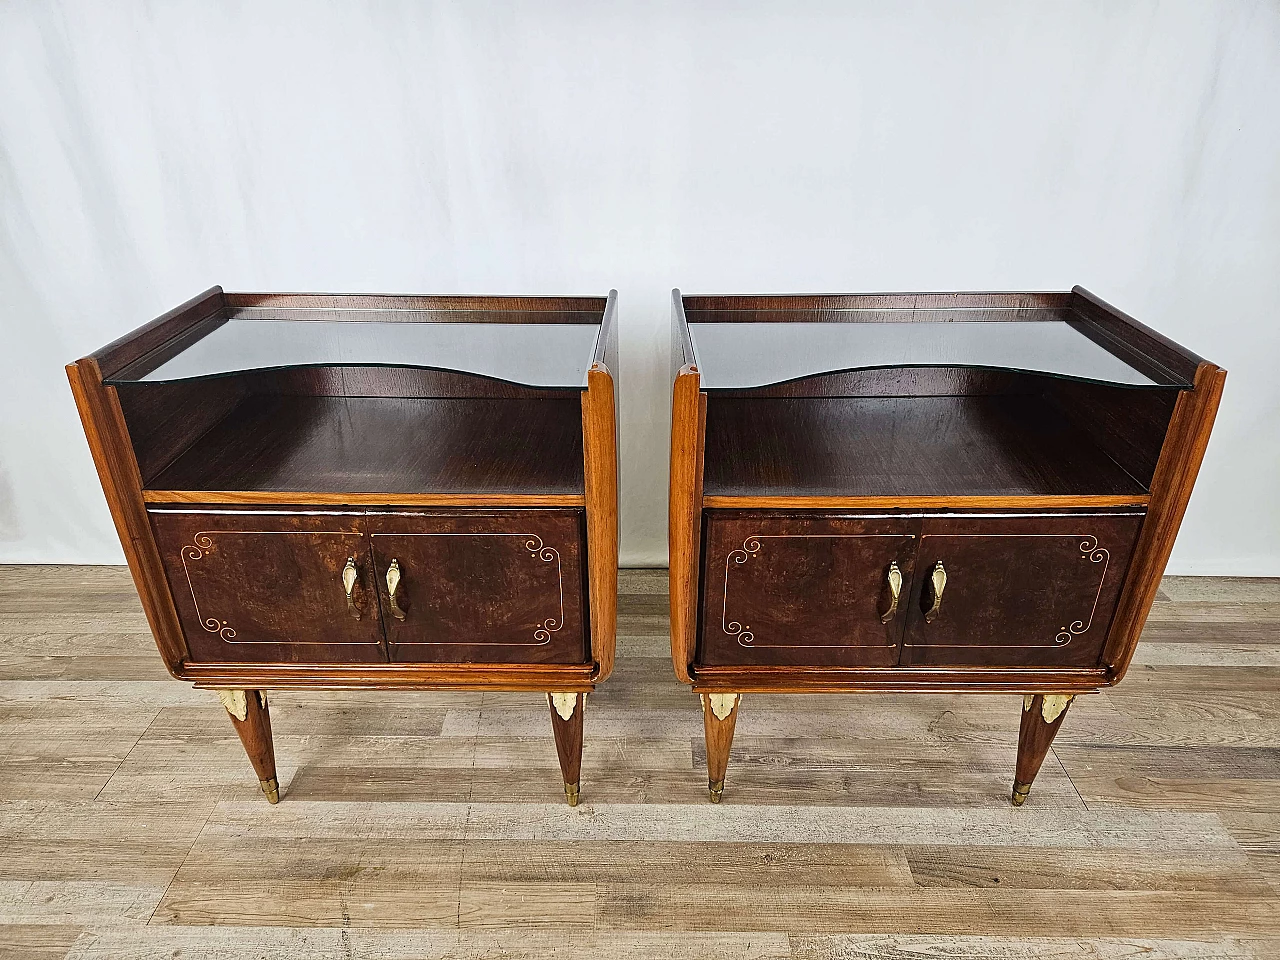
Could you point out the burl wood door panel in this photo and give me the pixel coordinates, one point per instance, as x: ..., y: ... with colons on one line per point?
x: 264, y: 586
x: 803, y: 589
x: 501, y: 586
x: 1019, y: 591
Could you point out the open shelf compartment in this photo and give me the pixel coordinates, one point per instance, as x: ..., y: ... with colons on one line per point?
x: 388, y: 445
x: 932, y: 446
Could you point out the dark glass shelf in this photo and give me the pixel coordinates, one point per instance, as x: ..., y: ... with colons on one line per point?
x: 903, y: 446
x: 531, y: 354
x: 737, y: 356
x: 386, y: 445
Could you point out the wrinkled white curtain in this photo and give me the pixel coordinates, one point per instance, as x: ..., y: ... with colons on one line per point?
x: 149, y: 150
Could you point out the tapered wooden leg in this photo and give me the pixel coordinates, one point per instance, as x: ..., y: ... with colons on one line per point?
x: 252, y: 720
x: 719, y: 716
x: 1042, y: 715
x: 566, y: 724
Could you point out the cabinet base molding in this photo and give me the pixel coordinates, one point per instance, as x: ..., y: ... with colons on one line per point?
x: 563, y: 678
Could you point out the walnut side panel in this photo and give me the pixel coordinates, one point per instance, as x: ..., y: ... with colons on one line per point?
x: 1175, y: 476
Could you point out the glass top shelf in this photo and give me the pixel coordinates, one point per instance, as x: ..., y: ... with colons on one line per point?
x: 531, y: 354
x: 736, y: 356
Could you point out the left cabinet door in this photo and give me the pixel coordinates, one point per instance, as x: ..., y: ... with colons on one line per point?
x: 266, y: 586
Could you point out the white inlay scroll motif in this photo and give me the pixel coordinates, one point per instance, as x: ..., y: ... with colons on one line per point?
x: 1090, y: 550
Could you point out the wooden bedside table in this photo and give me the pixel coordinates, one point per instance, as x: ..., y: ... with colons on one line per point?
x: 368, y: 491
x: 922, y: 492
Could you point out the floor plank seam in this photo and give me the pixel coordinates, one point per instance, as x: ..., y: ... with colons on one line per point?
x: 133, y: 746
x: 1070, y: 779
x: 466, y: 823
x: 182, y: 863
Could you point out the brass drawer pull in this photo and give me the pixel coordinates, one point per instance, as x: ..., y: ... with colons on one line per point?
x: 938, y: 581
x: 393, y: 581
x: 894, y: 581
x: 349, y: 577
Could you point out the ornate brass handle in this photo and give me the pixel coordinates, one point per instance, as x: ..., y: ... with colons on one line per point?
x: 393, y: 581
x: 349, y: 577
x: 938, y: 581
x: 895, y: 588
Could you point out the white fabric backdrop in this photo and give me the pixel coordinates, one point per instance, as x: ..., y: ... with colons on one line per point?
x: 149, y: 150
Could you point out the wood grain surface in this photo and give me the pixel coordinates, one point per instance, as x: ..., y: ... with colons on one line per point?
x: 432, y: 824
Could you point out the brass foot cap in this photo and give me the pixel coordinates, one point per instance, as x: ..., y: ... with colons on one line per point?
x: 1020, y: 791
x: 716, y: 788
x: 571, y: 793
x: 272, y: 789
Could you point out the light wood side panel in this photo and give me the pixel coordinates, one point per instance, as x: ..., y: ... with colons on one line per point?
x: 1175, y: 476
x: 600, y: 474
x: 121, y: 481
x: 684, y: 521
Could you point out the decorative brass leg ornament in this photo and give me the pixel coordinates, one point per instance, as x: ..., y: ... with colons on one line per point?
x: 719, y: 717
x: 1042, y: 715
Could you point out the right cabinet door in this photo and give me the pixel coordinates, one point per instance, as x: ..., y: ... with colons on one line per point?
x: 478, y: 586
x: 1034, y: 590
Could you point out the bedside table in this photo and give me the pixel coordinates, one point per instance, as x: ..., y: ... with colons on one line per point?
x: 341, y: 491
x: 922, y: 492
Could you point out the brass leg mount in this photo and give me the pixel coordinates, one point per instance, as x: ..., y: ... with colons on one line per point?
x: 571, y: 793
x: 1020, y: 791
x: 716, y: 788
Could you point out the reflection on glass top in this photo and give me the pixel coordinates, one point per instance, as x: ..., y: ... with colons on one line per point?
x: 743, y: 355
x: 532, y: 354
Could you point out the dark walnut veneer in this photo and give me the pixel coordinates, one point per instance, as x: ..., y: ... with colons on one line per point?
x: 448, y: 520
x: 1018, y: 491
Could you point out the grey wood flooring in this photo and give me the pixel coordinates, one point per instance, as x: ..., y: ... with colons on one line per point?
x: 431, y: 825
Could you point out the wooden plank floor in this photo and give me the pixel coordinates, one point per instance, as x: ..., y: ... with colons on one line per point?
x: 430, y: 825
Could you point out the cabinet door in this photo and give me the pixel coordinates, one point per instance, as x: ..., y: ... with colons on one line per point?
x: 481, y: 587
x: 1035, y: 590
x: 804, y: 589
x: 266, y: 586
